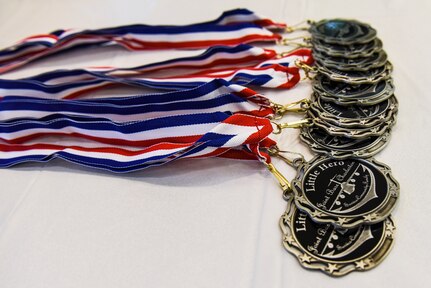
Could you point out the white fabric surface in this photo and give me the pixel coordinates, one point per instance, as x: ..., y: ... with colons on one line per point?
x: 203, y: 223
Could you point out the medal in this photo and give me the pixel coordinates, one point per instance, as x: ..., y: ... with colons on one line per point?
x: 345, y: 192
x: 371, y: 76
x: 341, y: 147
x: 346, y: 94
x: 355, y: 115
x: 342, y: 31
x: 335, y: 251
x: 347, y: 51
x: 352, y: 132
x: 365, y: 63
x: 353, y: 121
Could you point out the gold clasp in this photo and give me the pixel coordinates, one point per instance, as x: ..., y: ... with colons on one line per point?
x: 292, y: 42
x: 300, y: 106
x: 305, y: 43
x: 299, y: 26
x: 296, y: 124
x: 284, y: 183
x: 306, y: 68
x: 275, y: 151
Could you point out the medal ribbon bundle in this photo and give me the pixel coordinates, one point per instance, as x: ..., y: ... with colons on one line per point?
x: 337, y: 218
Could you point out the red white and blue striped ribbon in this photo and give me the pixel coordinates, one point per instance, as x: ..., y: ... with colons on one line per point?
x: 272, y: 76
x: 69, y: 84
x: 232, y: 28
x: 223, y: 132
x: 242, y: 15
x: 217, y: 95
x: 195, y: 125
x: 123, y: 134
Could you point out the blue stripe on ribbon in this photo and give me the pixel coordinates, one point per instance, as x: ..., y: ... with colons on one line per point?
x: 59, y: 121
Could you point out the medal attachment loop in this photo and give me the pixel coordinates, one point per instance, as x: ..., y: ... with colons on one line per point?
x: 306, y: 68
x: 301, y: 26
x: 295, y: 124
x: 284, y: 183
x: 294, y: 162
x: 305, y: 42
x: 300, y: 106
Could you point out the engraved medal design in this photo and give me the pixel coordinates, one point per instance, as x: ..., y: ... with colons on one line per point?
x: 357, y: 77
x: 335, y: 251
x: 375, y: 60
x: 346, y: 94
x: 355, y: 115
x: 345, y: 192
x: 352, y: 132
x: 342, y: 31
x: 342, y: 147
x: 347, y: 51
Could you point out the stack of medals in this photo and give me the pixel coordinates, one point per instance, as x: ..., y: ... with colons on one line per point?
x: 339, y: 218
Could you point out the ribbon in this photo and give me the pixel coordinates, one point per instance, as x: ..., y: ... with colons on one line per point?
x: 69, y: 84
x: 231, y: 28
x: 207, y: 119
x: 222, y: 133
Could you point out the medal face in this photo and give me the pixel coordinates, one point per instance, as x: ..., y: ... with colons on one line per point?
x: 342, y: 31
x: 342, y: 147
x: 335, y: 251
x: 347, y: 51
x: 375, y: 60
x: 355, y: 115
x: 345, y: 192
x: 357, y: 77
x: 352, y: 132
x: 347, y: 94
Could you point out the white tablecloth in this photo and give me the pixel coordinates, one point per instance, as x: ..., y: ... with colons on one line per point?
x: 202, y: 223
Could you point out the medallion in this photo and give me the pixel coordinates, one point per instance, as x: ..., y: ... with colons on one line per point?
x: 375, y: 60
x: 334, y: 251
x: 357, y: 77
x: 342, y: 147
x: 345, y: 192
x: 347, y: 51
x: 355, y: 115
x: 352, y: 132
x: 342, y: 31
x: 346, y: 94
